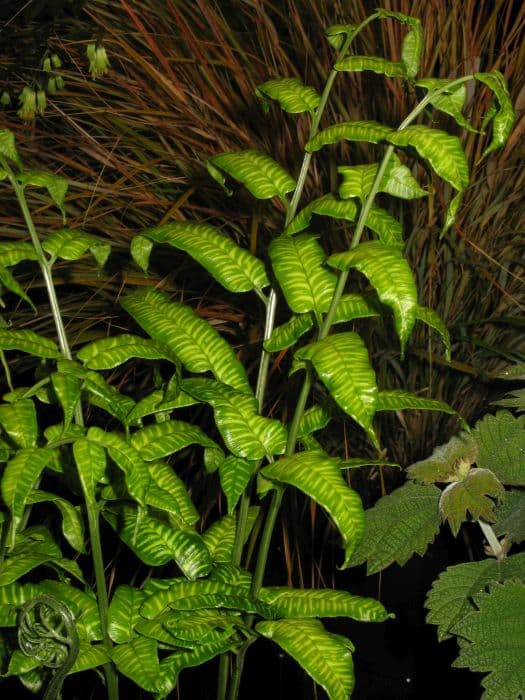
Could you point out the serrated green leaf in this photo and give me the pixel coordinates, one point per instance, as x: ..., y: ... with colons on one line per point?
x: 303, y: 603
x: 286, y: 335
x: 8, y: 147
x: 390, y: 275
x: 259, y: 173
x: 235, y: 474
x: 496, y: 640
x: 246, y: 434
x: 451, y: 595
x: 54, y: 184
x: 326, y: 657
x: 470, y: 495
x: 369, y: 131
x: 194, y: 341
x: 400, y: 400
x: 298, y: 264
x: 90, y: 459
x: 157, y: 543
x: 319, y: 476
x: 410, y: 516
x: 501, y: 443
x: 343, y: 365
x: 163, y: 439
x: 19, y: 477
x: 432, y: 319
x: 19, y: 420
x: 510, y: 517
x: 29, y: 342
x: 379, y: 65
x: 235, y: 268
x: 123, y: 613
x: 13, y: 252
x: 111, y: 352
x: 291, y: 94
x: 447, y: 463
x: 72, y: 244
x: 166, y: 479
x: 72, y: 523
x: 9, y: 282
x: 504, y: 117
x: 397, y: 180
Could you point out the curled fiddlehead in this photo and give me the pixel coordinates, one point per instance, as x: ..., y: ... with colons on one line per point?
x: 48, y: 634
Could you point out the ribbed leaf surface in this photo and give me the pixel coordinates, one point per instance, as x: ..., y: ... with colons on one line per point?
x: 19, y: 421
x: 501, y: 443
x: 138, y: 660
x: 107, y: 353
x: 232, y: 266
x: 399, y: 400
x: 194, y: 341
x: 410, y: 516
x: 30, y: 342
x: 124, y: 614
x: 286, y: 335
x: 291, y: 94
x: 298, y: 264
x: 369, y: 131
x: 326, y: 657
x: 166, y: 479
x: 71, y: 244
x: 82, y: 604
x: 379, y: 65
x: 13, y: 252
x: 356, y: 306
x: 90, y: 656
x: 319, y: 476
x: 390, y: 275
x: 160, y: 440
x: 510, y: 516
x: 259, y: 173
x: 342, y: 363
x: 235, y: 473
x: 504, y: 117
x: 397, y: 180
x: 301, y: 603
x: 471, y: 495
x: 90, y: 459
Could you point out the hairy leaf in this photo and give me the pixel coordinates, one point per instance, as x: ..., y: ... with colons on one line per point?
x: 447, y: 463
x: 473, y: 494
x: 291, y: 94
x: 259, y: 173
x: 510, y: 516
x: 501, y: 442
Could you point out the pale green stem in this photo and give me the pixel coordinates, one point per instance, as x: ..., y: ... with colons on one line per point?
x: 491, y: 538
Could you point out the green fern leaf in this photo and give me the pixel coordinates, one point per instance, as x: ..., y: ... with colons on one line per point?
x: 286, y: 335
x: 160, y: 440
x: 235, y: 474
x: 71, y: 244
x: 19, y: 421
x: 399, y: 400
x: 29, y: 342
x: 369, y: 131
x: 397, y: 180
x: 123, y: 614
x: 55, y: 185
x: 432, y: 319
x: 14, y: 252
x: 382, y: 66
x: 503, y: 117
x: 259, y: 173
x: 108, y: 353
x: 291, y: 94
x: 165, y: 478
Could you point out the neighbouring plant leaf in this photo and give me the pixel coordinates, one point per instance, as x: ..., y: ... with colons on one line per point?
x: 8, y: 146
x: 503, y: 117
x: 72, y: 244
x: 450, y: 101
x: 319, y: 476
x: 29, y: 342
x: 260, y: 174
x: 194, y: 341
x: 235, y: 268
x: 473, y: 494
x: 410, y: 516
x: 397, y: 180
x: 383, y: 66
x: 326, y: 657
x: 123, y: 613
x: 165, y: 478
x: 369, y: 131
x: 72, y: 523
x: 510, y: 516
x: 501, y: 443
x: 246, y: 434
x: 54, y: 184
x: 432, y: 319
x: 111, y: 352
x: 450, y: 598
x: 20, y: 475
x: 514, y: 399
x: 90, y: 459
x: 157, y: 543
x: 342, y: 363
x: 160, y: 440
x: 286, y: 335
x: 400, y: 400
x: 390, y: 275
x: 291, y: 94
x: 447, y: 463
x: 19, y: 421
x: 235, y: 474
x: 303, y: 603
x: 14, y: 252
x: 298, y: 264
x: 495, y: 637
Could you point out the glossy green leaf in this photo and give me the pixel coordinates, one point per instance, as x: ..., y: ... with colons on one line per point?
x: 201, y: 626
x: 160, y: 440
x: 29, y: 342
x: 390, y: 275
x: 90, y: 459
x: 172, y: 665
x: 314, y: 418
x: 504, y: 117
x: 451, y: 214
x: 67, y: 389
x: 72, y: 244
x: 54, y: 184
x: 72, y: 523
x: 369, y: 131
x: 220, y: 538
x: 327, y: 205
x: 157, y: 543
x: 82, y: 604
x: 388, y: 228
x: 410, y: 516
x: 19, y: 477
x: 450, y: 101
x: 337, y: 33
x: 495, y: 637
x: 501, y: 444
x: 127, y: 458
x: 90, y: 656
x: 9, y: 282
x: 412, y: 49
x: 301, y: 603
x: 165, y: 478
x: 14, y: 252
x: 101, y: 394
x: 448, y: 462
x: 342, y: 363
x: 298, y: 264
x: 259, y: 173
x: 286, y: 335
x: 326, y: 657
x: 124, y: 613
x: 510, y: 517
x: 194, y: 341
x: 432, y: 319
x: 244, y: 431
x: 319, y: 476
x: 353, y: 306
x: 471, y: 495
x: 400, y: 400
x: 235, y: 474
x: 107, y: 353
x: 235, y: 268
x: 138, y: 660
x: 382, y: 66
x: 291, y: 94
x: 155, y: 403
x: 19, y: 421
x: 8, y: 146
x: 397, y: 181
